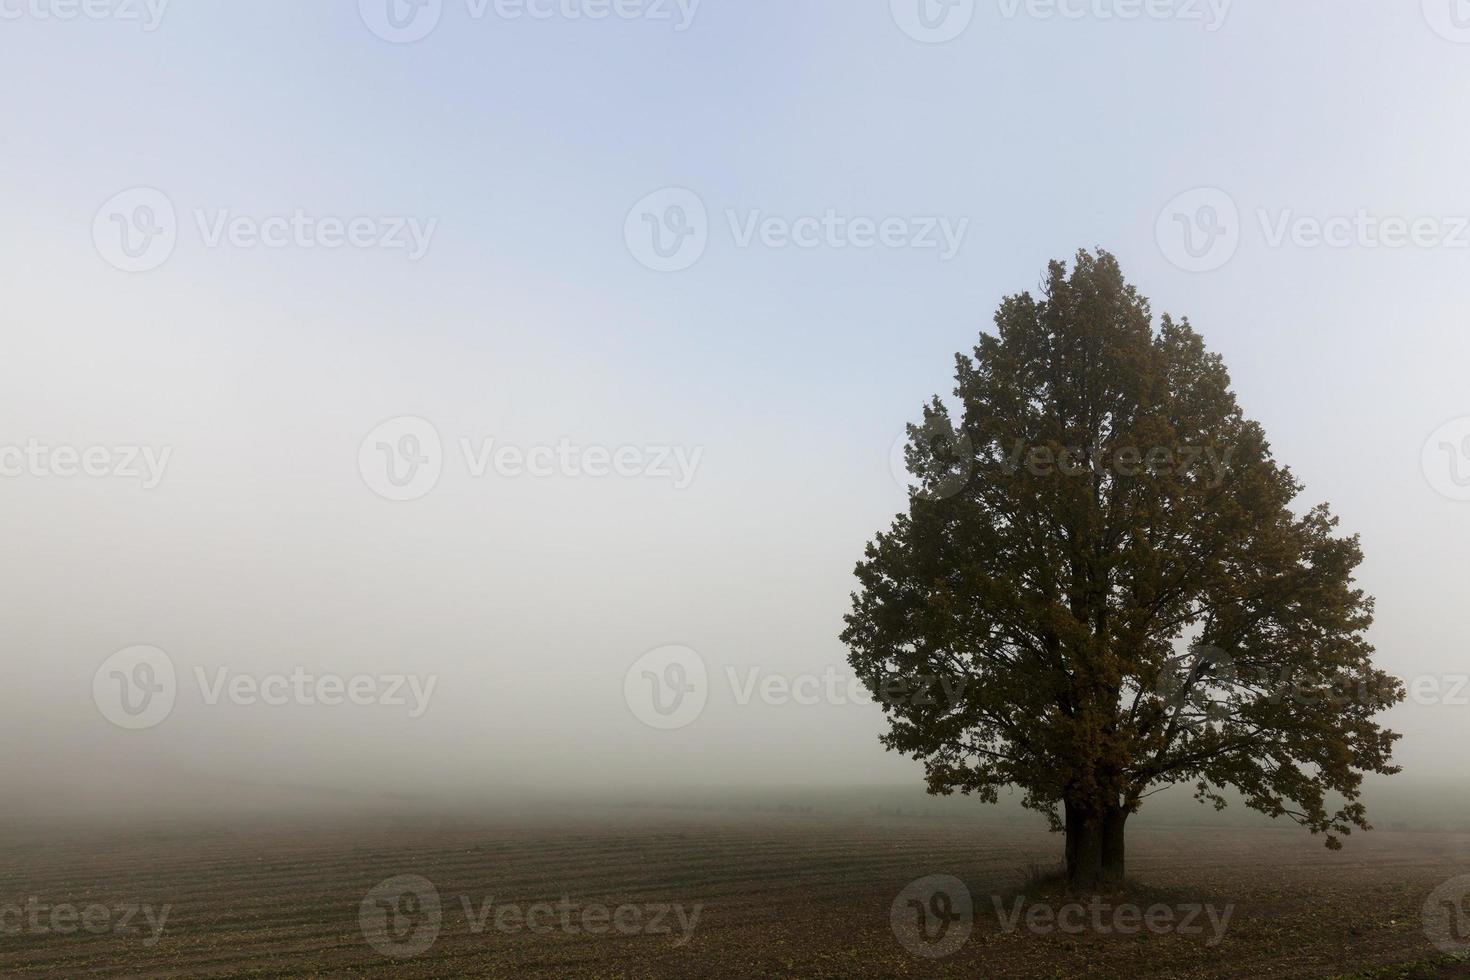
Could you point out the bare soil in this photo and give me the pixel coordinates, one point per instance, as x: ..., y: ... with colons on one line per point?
x: 778, y: 895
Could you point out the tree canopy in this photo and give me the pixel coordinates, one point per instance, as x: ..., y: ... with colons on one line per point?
x: 1104, y: 548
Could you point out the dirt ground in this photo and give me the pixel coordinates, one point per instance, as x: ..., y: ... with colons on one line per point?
x: 620, y: 894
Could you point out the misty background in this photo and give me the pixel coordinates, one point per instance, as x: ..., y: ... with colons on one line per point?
x: 529, y: 322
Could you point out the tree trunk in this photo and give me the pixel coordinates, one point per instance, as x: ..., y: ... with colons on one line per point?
x: 1095, y: 851
x: 1084, y: 848
x: 1112, y: 844
x: 1074, y: 835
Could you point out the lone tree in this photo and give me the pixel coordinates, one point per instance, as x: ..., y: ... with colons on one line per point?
x: 1102, y: 587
